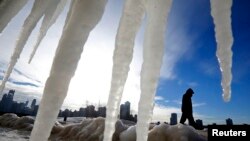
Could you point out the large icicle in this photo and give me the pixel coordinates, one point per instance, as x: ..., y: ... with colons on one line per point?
x: 221, y: 12
x: 8, y: 9
x: 50, y: 17
x: 130, y: 22
x: 36, y: 13
x: 65, y: 63
x: 157, y: 13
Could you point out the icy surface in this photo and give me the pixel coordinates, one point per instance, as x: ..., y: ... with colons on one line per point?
x: 92, y: 130
x: 7, y: 134
x: 157, y: 13
x: 8, y: 9
x: 221, y: 13
x: 50, y: 17
x: 130, y: 22
x: 65, y: 62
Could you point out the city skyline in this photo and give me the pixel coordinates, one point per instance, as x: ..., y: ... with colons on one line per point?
x: 9, y: 105
x: 189, y: 61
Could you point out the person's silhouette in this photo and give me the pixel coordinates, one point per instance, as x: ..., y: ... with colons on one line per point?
x: 187, y: 109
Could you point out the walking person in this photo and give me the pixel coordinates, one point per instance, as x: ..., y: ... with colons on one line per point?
x: 187, y: 109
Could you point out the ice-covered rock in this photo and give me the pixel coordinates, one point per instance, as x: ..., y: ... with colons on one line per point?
x: 93, y: 129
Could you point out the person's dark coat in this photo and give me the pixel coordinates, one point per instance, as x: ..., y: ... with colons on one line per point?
x: 187, y: 104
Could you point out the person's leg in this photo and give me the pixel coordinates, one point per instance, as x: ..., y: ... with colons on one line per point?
x: 191, y: 120
x: 183, y: 118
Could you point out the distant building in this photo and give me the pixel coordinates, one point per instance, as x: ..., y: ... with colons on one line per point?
x: 14, y: 107
x: 66, y: 113
x: 90, y: 111
x: 229, y: 121
x: 199, y: 123
x: 7, y: 101
x: 3, y: 103
x: 125, y: 111
x: 8, y: 105
x: 27, y: 103
x: 173, y: 119
x: 102, y: 111
x: 135, y: 118
x: 82, y: 112
x: 75, y: 114
x: 34, y: 112
x: 12, y: 92
x: 33, y: 104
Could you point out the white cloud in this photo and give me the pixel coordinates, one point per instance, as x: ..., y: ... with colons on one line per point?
x: 20, y: 74
x: 180, y: 82
x: 163, y: 113
x: 158, y: 98
x: 199, y: 104
x: 166, y: 101
x: 177, y: 102
x: 207, y: 119
x: 176, y: 45
x: 173, y: 53
x: 208, y: 68
x: 192, y: 84
x: 26, y: 89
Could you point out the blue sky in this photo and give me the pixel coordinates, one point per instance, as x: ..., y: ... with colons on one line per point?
x: 189, y: 61
x: 198, y: 67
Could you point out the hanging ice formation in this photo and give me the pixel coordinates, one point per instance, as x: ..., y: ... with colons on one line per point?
x: 130, y: 22
x: 49, y: 19
x: 8, y: 9
x: 75, y: 33
x: 157, y: 13
x: 38, y: 10
x: 221, y: 12
x: 68, y: 53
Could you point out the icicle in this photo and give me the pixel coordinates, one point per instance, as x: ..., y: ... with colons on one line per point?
x: 157, y: 13
x: 130, y: 22
x: 51, y: 14
x: 9, y: 9
x: 36, y: 13
x: 221, y: 12
x: 68, y: 53
x: 69, y: 13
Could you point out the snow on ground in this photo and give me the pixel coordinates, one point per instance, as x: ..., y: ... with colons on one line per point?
x: 13, y: 128
x: 8, y: 134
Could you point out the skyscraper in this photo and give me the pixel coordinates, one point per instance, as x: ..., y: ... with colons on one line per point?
x: 173, y: 119
x: 199, y: 123
x: 90, y: 111
x: 33, y: 104
x: 12, y: 92
x: 3, y: 103
x: 27, y: 103
x: 102, y: 111
x: 9, y: 100
x: 125, y: 110
x: 229, y: 121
